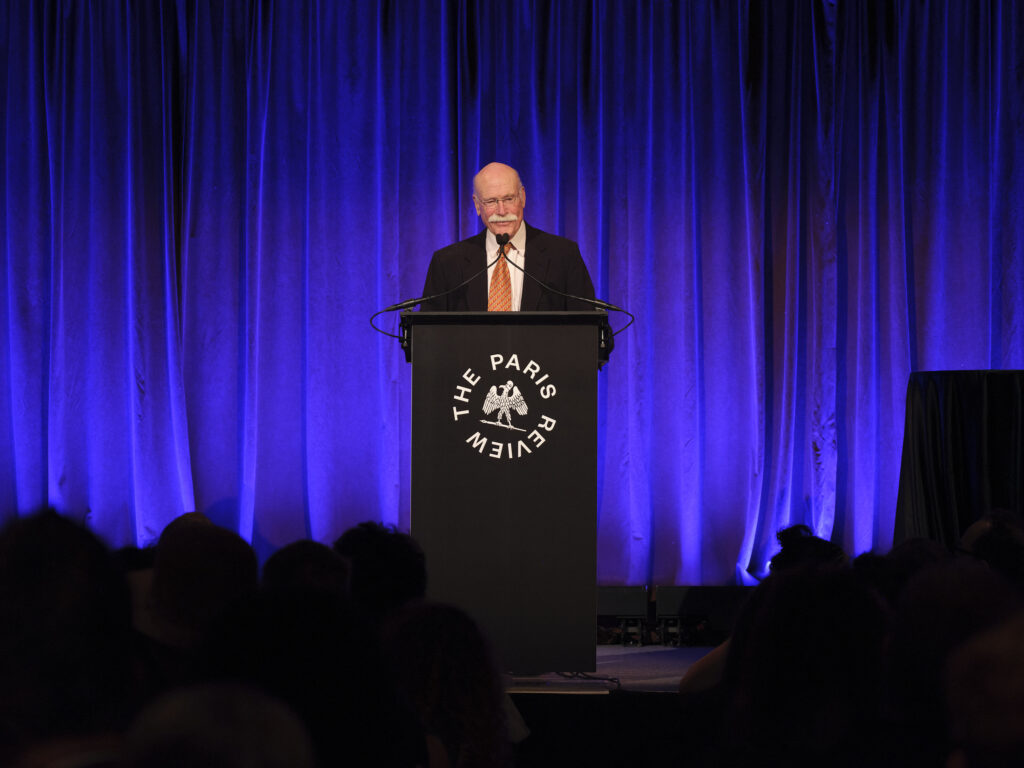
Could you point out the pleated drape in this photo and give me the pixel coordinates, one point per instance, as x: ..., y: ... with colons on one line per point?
x: 203, y: 202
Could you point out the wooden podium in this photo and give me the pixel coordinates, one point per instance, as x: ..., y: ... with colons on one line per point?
x: 504, y: 475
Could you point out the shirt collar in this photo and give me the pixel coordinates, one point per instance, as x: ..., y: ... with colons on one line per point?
x: 518, y: 242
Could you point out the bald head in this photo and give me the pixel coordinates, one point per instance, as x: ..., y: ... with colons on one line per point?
x: 495, y: 173
x: 499, y: 198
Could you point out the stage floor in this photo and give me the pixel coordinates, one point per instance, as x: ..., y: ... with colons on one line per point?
x: 647, y: 668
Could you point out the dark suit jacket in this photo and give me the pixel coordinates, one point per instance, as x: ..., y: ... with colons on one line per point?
x: 553, y: 260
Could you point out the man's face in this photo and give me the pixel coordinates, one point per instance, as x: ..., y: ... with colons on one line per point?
x: 499, y: 199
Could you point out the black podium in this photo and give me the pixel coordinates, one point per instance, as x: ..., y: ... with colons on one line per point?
x: 504, y: 475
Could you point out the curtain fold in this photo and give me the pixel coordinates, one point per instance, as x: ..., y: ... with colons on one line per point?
x: 203, y: 202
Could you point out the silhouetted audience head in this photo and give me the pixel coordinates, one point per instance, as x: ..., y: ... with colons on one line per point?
x: 918, y: 553
x: 820, y: 670
x: 998, y: 540
x: 443, y: 663
x: 200, y: 571
x: 802, y: 673
x: 800, y: 547
x: 308, y: 566
x: 65, y: 629
x: 388, y: 568
x: 311, y: 651
x: 940, y: 608
x: 218, y: 726
x: 889, y: 573
x: 985, y: 698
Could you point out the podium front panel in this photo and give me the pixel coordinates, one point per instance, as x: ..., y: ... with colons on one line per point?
x: 504, y: 484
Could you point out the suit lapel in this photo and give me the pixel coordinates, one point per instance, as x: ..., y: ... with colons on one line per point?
x: 537, y: 261
x: 476, y: 291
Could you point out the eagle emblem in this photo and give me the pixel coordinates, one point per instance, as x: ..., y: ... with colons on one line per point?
x: 504, y: 398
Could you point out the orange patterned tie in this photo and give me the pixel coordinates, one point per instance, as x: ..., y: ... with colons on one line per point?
x: 499, y: 297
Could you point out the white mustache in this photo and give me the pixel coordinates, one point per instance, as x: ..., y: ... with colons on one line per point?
x: 498, y: 218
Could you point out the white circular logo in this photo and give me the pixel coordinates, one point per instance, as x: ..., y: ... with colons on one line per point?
x: 503, y: 408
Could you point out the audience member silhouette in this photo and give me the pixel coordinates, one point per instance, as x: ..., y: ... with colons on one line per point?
x: 798, y: 547
x: 388, y: 568
x: 889, y: 573
x: 308, y: 566
x: 66, y: 686
x: 312, y: 651
x: 984, y: 692
x: 907, y: 659
x: 940, y: 608
x: 997, y: 539
x: 443, y: 663
x: 801, y: 680
x: 217, y: 726
x: 200, y: 571
x: 818, y: 629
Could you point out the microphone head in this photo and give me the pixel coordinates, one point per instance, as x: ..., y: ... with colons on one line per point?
x: 502, y: 239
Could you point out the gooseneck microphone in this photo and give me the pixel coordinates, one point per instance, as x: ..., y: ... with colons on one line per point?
x: 409, y: 303
x: 502, y: 241
x: 597, y: 303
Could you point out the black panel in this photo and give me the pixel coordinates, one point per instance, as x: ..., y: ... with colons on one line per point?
x: 504, y: 503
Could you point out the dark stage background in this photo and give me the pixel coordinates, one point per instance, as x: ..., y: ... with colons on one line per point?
x: 202, y: 203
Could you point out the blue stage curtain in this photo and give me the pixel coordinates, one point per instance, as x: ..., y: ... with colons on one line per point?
x: 203, y: 202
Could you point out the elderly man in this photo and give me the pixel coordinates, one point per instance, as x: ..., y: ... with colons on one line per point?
x: 499, y: 198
